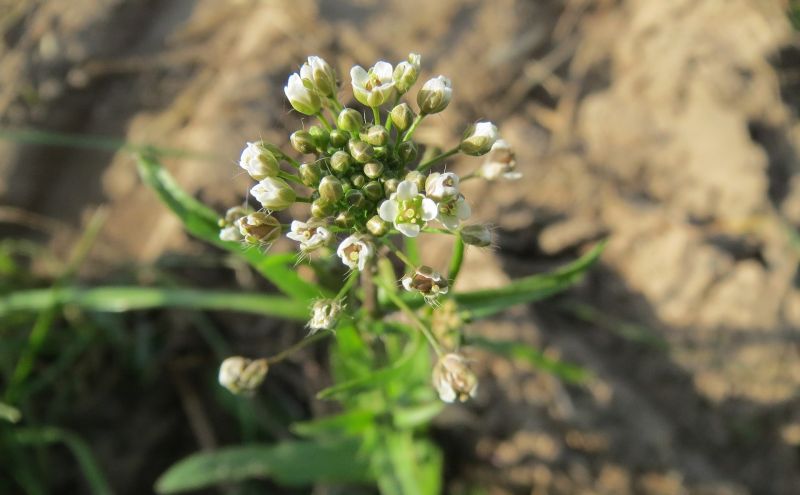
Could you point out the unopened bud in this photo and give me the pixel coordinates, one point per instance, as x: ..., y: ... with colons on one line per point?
x: 478, y: 139
x: 339, y: 138
x: 302, y: 99
x: 417, y: 178
x: 340, y: 161
x: 390, y: 186
x: 476, y: 235
x: 356, y: 198
x: 360, y: 151
x: 303, y: 142
x: 259, y: 228
x: 259, y: 162
x: 358, y: 180
x: 402, y: 116
x: 453, y: 379
x: 373, y: 190
x: 274, y: 194
x: 376, y: 135
x: 320, y: 75
x: 406, y: 73
x: 350, y: 120
x: 321, y: 208
x: 345, y: 219
x: 377, y: 226
x: 435, y: 95
x: 241, y: 375
x: 319, y: 136
x: 310, y: 174
x: 407, y: 151
x: 330, y: 189
x: 373, y: 170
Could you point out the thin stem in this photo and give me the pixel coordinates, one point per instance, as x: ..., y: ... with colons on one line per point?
x: 410, y: 131
x: 414, y: 318
x: 399, y: 254
x: 334, y: 101
x: 376, y: 115
x: 412, y: 248
x: 324, y: 121
x: 348, y: 284
x: 434, y: 230
x: 290, y: 177
x: 436, y: 159
x: 303, y: 199
x: 370, y: 291
x: 277, y: 358
x: 456, y: 260
x: 469, y: 176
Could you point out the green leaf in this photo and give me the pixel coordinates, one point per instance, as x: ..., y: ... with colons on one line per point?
x: 483, y: 303
x: 119, y: 299
x: 407, y: 465
x: 346, y: 423
x: 201, y: 221
x: 9, y: 413
x: 79, y: 448
x: 414, y: 416
x: 291, y: 463
x: 514, y: 350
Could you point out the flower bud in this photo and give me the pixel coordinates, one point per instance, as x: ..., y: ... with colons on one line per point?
x: 377, y: 226
x: 340, y: 161
x: 310, y: 174
x: 330, y: 189
x: 324, y: 315
x: 356, y: 198
x: 358, y: 180
x: 373, y: 170
x: 362, y: 152
x: 453, y: 379
x: 274, y: 194
x: 345, y: 219
x: 258, y: 161
x: 435, y: 95
x: 241, y: 375
x: 373, y: 190
x: 476, y: 235
x: 320, y: 75
x: 407, y: 151
x: 406, y: 73
x: 303, y: 142
x: 319, y: 136
x: 376, y: 135
x: 259, y: 228
x: 402, y: 116
x: 339, y: 138
x: 302, y: 99
x: 229, y: 224
x: 441, y: 187
x: 390, y: 186
x: 321, y: 208
x: 417, y: 178
x: 427, y: 282
x: 478, y: 139
x: 350, y: 120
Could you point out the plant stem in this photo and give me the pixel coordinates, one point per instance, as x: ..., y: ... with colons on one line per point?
x: 415, y: 319
x: 324, y: 121
x: 290, y: 177
x: 469, y: 176
x: 277, y: 358
x: 410, y: 131
x: 376, y: 115
x: 370, y: 290
x: 303, y: 199
x: 456, y: 260
x: 348, y: 284
x: 399, y: 254
x: 436, y: 159
x: 334, y: 101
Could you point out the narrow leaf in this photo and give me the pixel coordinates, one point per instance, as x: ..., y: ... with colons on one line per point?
x: 348, y: 422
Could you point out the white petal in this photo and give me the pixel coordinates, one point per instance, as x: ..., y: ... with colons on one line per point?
x: 305, y: 72
x: 463, y: 211
x: 406, y: 190
x: 408, y: 229
x: 429, y: 209
x: 446, y: 392
x: 295, y: 237
x: 358, y: 75
x: 383, y: 70
x: 407, y: 283
x: 388, y: 210
x: 450, y: 222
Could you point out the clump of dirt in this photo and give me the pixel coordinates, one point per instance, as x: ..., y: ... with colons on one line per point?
x: 669, y: 127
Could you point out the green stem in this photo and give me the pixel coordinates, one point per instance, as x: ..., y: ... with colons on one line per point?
x: 376, y: 115
x: 410, y: 131
x: 334, y: 101
x: 399, y: 254
x: 277, y: 358
x: 436, y: 159
x: 412, y: 248
x: 434, y: 230
x: 348, y: 284
x: 290, y: 177
x: 456, y: 260
x: 303, y: 199
x: 324, y: 121
x: 469, y: 176
x: 414, y: 318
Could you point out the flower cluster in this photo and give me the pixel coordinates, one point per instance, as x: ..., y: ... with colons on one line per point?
x: 363, y: 177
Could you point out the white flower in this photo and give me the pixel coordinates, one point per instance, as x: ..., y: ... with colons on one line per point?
x: 230, y: 233
x: 303, y: 99
x: 273, y: 194
x: 324, y: 314
x: 375, y: 87
x: 320, y: 75
x: 310, y: 235
x: 441, y: 187
x: 435, y: 95
x: 453, y: 212
x: 453, y: 379
x: 407, y: 209
x: 426, y: 281
x: 355, y: 251
x: 406, y: 73
x: 500, y: 162
x: 478, y: 139
x: 242, y: 375
x: 258, y: 161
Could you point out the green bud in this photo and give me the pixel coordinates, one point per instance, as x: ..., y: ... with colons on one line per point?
x: 350, y: 120
x: 381, y: 152
x: 321, y: 208
x: 407, y: 151
x: 417, y: 178
x: 402, y: 116
x: 377, y: 226
x: 405, y: 73
x: 320, y: 74
x: 373, y: 170
x: 259, y: 162
x: 345, y: 220
x: 330, y: 189
x: 435, y: 95
x: 358, y: 180
x: 319, y: 137
x: 259, y: 228
x: 310, y: 173
x: 339, y: 138
x: 376, y: 135
x: 390, y: 186
x: 340, y: 161
x: 356, y: 198
x: 360, y: 151
x: 274, y: 194
x: 478, y: 139
x: 303, y: 142
x: 476, y: 235
x: 373, y: 190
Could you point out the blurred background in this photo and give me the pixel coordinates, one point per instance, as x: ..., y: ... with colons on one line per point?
x: 670, y: 127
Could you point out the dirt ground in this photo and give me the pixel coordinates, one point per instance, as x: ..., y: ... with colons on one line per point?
x: 669, y: 127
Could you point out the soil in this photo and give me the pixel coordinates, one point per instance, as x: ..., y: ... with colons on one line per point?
x: 668, y: 127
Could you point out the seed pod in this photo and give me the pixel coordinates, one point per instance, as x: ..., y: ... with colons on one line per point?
x: 377, y: 226
x: 362, y: 152
x: 376, y: 135
x: 407, y: 151
x: 349, y: 120
x: 310, y: 174
x: 339, y: 138
x: 373, y: 170
x: 303, y: 142
x: 340, y: 161
x: 373, y: 190
x: 330, y: 189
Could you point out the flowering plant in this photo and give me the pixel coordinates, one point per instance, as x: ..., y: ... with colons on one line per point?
x: 369, y: 190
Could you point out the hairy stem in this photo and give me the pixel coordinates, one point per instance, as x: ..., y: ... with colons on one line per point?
x: 436, y: 159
